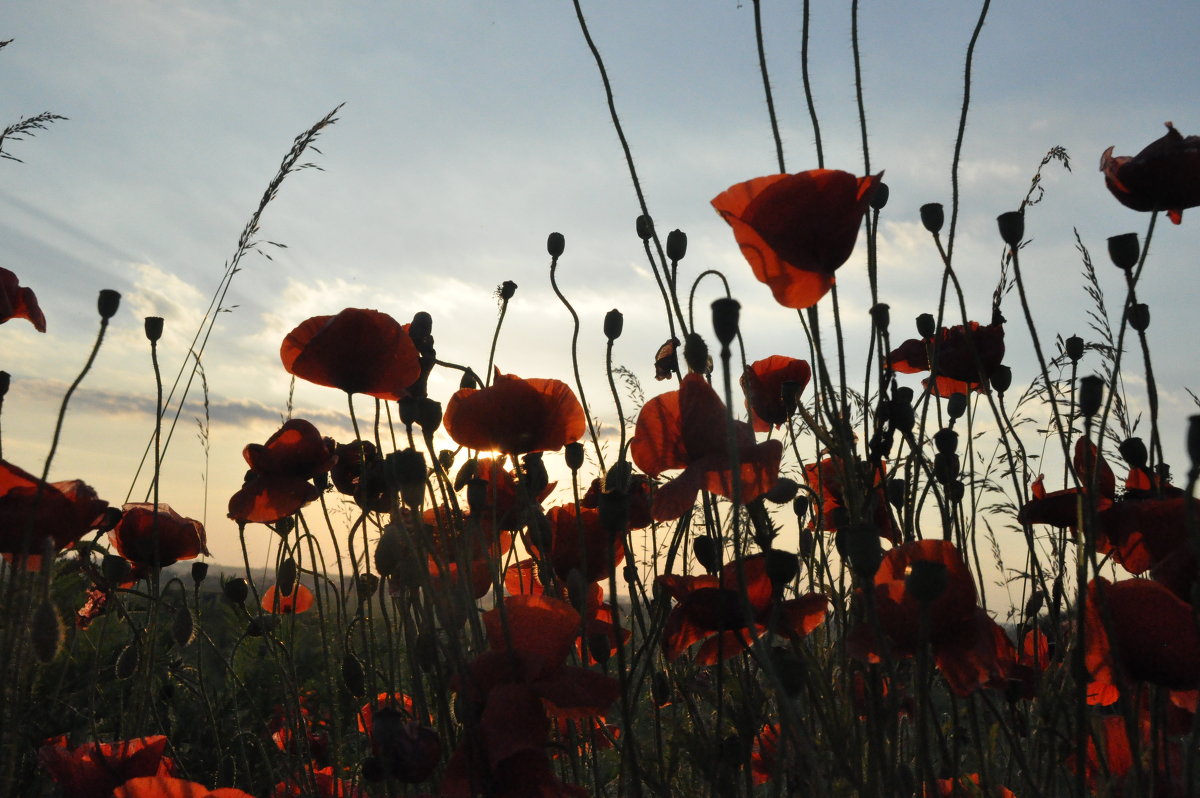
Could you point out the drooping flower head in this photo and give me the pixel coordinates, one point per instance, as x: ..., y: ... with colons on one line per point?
x: 796, y: 230
x: 515, y: 416
x: 160, y: 538
x: 32, y: 512
x: 762, y: 382
x: 18, y: 302
x: 278, y: 482
x: 1165, y: 176
x: 358, y: 351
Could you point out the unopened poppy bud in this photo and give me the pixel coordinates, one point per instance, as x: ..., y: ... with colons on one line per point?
x: 783, y: 491
x: 421, y: 326
x: 619, y: 477
x: 790, y: 392
x: 660, y: 689
x: 285, y: 577
x: 46, y: 631
x: 154, y: 328
x: 354, y: 676
x: 5, y: 381
x: 881, y: 315
x: 926, y: 325
x: 468, y: 380
x: 426, y: 651
x: 1124, y: 250
x: 284, y: 526
x: 644, y: 227
x: 1012, y: 227
x: 945, y: 467
x: 956, y: 490
x: 600, y: 648
x: 199, y: 572
x: 183, y: 627
x: 107, y: 303
x: 541, y: 535
x: 1073, y: 347
x: 429, y: 414
x: 507, y: 289
x: 577, y: 589
x: 477, y: 495
x: 800, y: 506
x: 407, y: 467
x: 365, y: 586
x: 946, y: 440
x: 573, y: 454
x: 1091, y: 393
x: 725, y: 314
x: 695, y: 354
x: 236, y: 590
x: 933, y: 216
x: 782, y: 567
x: 115, y: 569
x: 614, y: 323
x: 408, y: 410
x: 1034, y: 605
x: 1139, y: 316
x: 1133, y: 451
x: 925, y: 580
x: 860, y: 543
x: 534, y: 469
x: 707, y: 553
x: 900, y: 411
x: 445, y: 460
x: 881, y: 443
x: 127, y: 661
x: 879, y: 197
x: 465, y: 474
x: 956, y: 405
x: 676, y: 245
x: 1001, y: 379
x: 897, y: 490
x: 1193, y: 440
x: 389, y: 551
x: 555, y: 245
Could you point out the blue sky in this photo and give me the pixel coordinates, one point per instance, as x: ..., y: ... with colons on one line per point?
x: 473, y: 129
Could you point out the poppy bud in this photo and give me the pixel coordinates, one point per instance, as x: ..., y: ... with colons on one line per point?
x: 800, y: 506
x: 881, y: 316
x: 881, y: 442
x: 925, y: 580
x: 900, y: 411
x: 421, y: 326
x: 860, y: 544
x: 183, y: 627
x: 614, y: 322
x: 660, y: 689
x: 644, y: 227
x: 429, y: 414
x: 5, y: 381
x: 534, y: 470
x: 541, y: 535
x: 790, y: 392
x: 365, y: 586
x: 600, y: 648
x: 555, y: 245
x: 956, y: 405
x: 577, y: 589
x: 107, y: 303
x: 619, y: 477
x: 933, y: 216
x: 407, y: 466
x: 236, y: 590
x: 1012, y: 227
x: 1139, y: 316
x: 1001, y: 379
x: 1034, y: 605
x: 782, y: 568
x: 676, y: 245
x: 1193, y: 441
x: 127, y: 661
x: 1124, y: 250
x: 465, y: 474
x: 426, y: 651
x: 46, y: 631
x: 445, y: 460
x: 1133, y: 451
x: 154, y: 328
x: 507, y: 289
x: 284, y: 526
x: 354, y: 676
x: 946, y: 440
x: 285, y: 578
x: 879, y: 197
x: 897, y: 489
x: 199, y: 572
x: 1091, y: 393
x: 725, y: 313
x: 956, y: 490
x: 408, y: 410
x: 783, y: 491
x: 695, y: 354
x: 945, y: 467
x: 468, y: 380
x: 1073, y: 347
x: 791, y: 670
x: 389, y: 551
x: 477, y: 496
x: 926, y: 325
x: 707, y: 553
x: 115, y: 569
x: 573, y: 454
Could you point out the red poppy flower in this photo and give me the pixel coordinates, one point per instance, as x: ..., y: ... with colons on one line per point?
x: 954, y: 349
x: 599, y: 640
x: 762, y: 382
x: 969, y: 648
x: 141, y: 533
x: 299, y: 600
x: 17, y: 302
x: 581, y: 542
x: 687, y: 429
x: 277, y: 485
x: 327, y: 786
x: 1165, y: 176
x: 94, y: 770
x: 827, y: 478
x: 639, y: 516
x: 170, y: 787
x: 764, y: 754
x: 358, y: 351
x: 400, y: 702
x: 796, y: 230
x: 712, y: 609
x: 967, y: 786
x: 1061, y: 507
x: 515, y: 416
x: 33, y: 512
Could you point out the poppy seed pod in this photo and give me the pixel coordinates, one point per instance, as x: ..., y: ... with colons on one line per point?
x: 555, y: 244
x: 1139, y: 316
x: 1091, y: 394
x: 925, y: 580
x: 1193, y: 441
x: 676, y: 245
x: 1124, y: 250
x: 107, y: 303
x: 614, y: 323
x: 506, y: 289
x: 1073, y: 347
x: 956, y: 405
x: 726, y: 313
x: 153, y: 326
x: 1001, y: 379
x: 926, y: 325
x: 707, y: 554
x: 1012, y: 227
x: 644, y: 227
x: 1133, y: 451
x: 933, y: 216
x: 695, y: 354
x: 573, y: 454
x: 881, y: 316
x: 946, y: 440
x: 879, y: 197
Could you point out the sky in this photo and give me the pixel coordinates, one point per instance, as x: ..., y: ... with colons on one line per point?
x: 468, y: 131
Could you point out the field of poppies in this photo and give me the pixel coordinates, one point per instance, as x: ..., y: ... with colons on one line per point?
x: 556, y: 608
